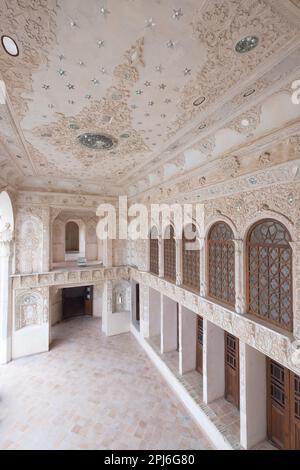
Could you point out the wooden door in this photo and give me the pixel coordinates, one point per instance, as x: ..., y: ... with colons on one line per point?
x: 232, y: 370
x: 137, y: 302
x: 199, y: 345
x: 278, y: 404
x: 88, y: 300
x: 283, y: 406
x: 295, y: 411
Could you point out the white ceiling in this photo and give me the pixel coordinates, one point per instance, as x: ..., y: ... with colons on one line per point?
x: 149, y: 67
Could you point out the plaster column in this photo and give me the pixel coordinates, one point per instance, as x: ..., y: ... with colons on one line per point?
x: 97, y: 300
x: 213, y: 362
x: 240, y: 285
x: 161, y: 257
x: 203, y: 270
x: 107, y: 253
x: 187, y: 340
x: 99, y: 250
x: 106, y: 305
x: 144, y: 310
x: 168, y: 325
x: 154, y: 312
x: 6, y: 251
x: 253, y: 396
x: 178, y: 261
x: 46, y: 240
x: 296, y: 287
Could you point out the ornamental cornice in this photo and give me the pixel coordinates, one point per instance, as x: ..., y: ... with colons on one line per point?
x: 274, y: 344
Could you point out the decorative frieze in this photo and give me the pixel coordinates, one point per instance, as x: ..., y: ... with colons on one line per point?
x: 65, y: 278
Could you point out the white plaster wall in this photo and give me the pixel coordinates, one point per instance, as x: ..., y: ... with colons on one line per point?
x: 30, y: 340
x: 168, y: 325
x: 154, y: 312
x: 97, y: 301
x: 56, y: 306
x: 187, y: 335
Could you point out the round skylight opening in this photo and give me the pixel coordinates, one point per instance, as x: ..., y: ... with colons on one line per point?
x: 97, y: 141
x: 246, y: 44
x: 199, y: 101
x: 10, y: 46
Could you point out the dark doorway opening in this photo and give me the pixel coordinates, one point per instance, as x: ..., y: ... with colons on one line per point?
x: 77, y: 301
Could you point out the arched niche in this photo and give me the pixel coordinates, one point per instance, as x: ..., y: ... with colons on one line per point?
x: 72, y: 237
x: 6, y: 212
x: 77, y: 233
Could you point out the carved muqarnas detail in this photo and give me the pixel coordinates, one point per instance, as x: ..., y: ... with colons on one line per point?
x: 29, y: 310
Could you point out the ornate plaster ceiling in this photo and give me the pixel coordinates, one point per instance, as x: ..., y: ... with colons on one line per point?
x: 161, y: 78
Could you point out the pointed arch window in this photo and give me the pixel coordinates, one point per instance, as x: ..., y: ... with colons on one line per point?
x: 190, y: 258
x: 154, y: 252
x: 221, y: 264
x: 170, y: 254
x: 269, y: 273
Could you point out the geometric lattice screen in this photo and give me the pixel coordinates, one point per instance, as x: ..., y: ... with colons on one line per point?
x: 221, y: 264
x: 190, y: 259
x: 269, y: 263
x: 170, y: 255
x: 154, y: 252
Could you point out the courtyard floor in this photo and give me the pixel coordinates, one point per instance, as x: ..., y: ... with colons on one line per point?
x: 92, y: 392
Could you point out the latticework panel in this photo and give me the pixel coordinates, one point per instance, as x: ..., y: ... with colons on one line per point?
x: 191, y: 261
x: 221, y: 264
x: 270, y: 273
x: 154, y: 256
x: 170, y: 255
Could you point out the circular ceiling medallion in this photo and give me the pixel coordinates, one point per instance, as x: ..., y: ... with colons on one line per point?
x: 10, y: 46
x: 199, y: 101
x: 246, y: 44
x: 97, y: 141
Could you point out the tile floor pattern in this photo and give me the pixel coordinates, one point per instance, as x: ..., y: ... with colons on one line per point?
x: 91, y: 392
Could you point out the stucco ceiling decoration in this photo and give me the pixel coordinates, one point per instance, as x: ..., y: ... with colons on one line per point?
x: 154, y: 86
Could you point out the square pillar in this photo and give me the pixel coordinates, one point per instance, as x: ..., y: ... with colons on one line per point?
x: 240, y: 285
x: 6, y: 248
x: 253, y: 396
x: 106, y: 305
x: 178, y: 262
x: 168, y: 325
x: 213, y: 362
x: 187, y: 340
x: 160, y: 257
x: 154, y: 312
x: 203, y: 270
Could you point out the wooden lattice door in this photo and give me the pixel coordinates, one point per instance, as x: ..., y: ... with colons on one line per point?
x: 278, y: 404
x: 199, y: 345
x: 232, y: 370
x: 295, y: 411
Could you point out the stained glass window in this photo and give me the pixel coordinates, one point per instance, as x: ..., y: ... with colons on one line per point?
x: 154, y: 252
x: 269, y: 257
x: 221, y: 264
x: 170, y: 254
x: 190, y: 258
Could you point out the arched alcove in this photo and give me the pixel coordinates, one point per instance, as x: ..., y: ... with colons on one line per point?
x: 72, y: 237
